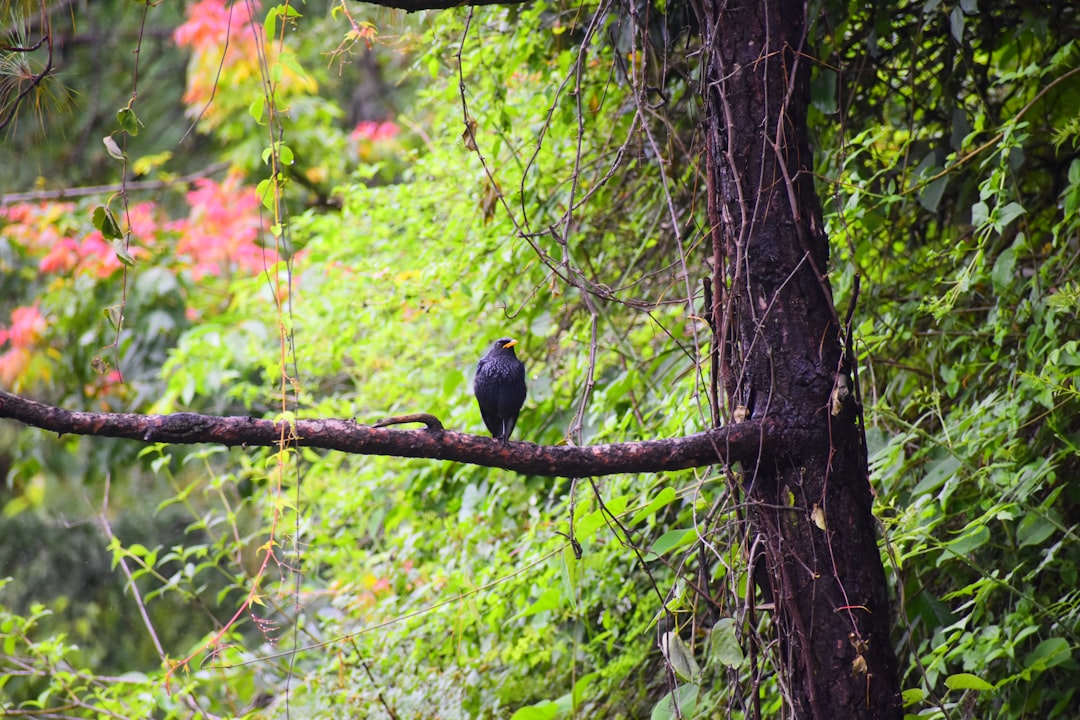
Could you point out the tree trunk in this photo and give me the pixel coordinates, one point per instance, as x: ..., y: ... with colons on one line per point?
x: 782, y: 355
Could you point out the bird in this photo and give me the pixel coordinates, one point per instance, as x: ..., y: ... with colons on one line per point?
x: 499, y: 386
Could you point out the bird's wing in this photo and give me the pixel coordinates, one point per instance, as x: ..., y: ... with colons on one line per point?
x: 493, y: 422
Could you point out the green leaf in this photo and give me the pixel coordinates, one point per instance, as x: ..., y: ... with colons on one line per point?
x: 543, y: 710
x: 265, y: 192
x: 550, y: 599
x: 936, y: 474
x: 148, y: 163
x: 137, y: 549
x: 582, y: 687
x: 663, y: 498
x: 679, y: 656
x: 724, y: 643
x: 673, y: 539
x: 123, y: 255
x: 285, y: 155
x: 1007, y: 214
x: 1002, y: 274
x: 931, y: 193
x: 956, y: 24
x: 967, y: 681
x: 683, y: 697
x: 105, y: 222
x: 289, y: 61
x: 129, y: 121
x: 270, y: 24
x: 589, y: 523
x: 570, y: 573
x: 617, y: 504
x: 965, y: 544
x: 1047, y: 654
x: 1033, y: 530
x: 257, y: 110
x: 912, y: 696
x: 980, y: 214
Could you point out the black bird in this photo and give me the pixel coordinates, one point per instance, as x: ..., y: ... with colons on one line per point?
x: 500, y: 388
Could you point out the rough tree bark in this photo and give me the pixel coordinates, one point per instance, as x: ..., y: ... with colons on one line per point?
x: 731, y: 443
x: 783, y: 356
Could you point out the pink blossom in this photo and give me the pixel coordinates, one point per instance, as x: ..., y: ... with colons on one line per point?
x: 144, y: 224
x: 221, y: 233
x: 209, y: 24
x: 12, y: 363
x: 62, y: 258
x: 27, y: 325
x: 374, y: 131
x: 97, y: 256
x: 18, y: 213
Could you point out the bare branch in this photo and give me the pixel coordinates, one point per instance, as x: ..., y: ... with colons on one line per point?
x: 415, y: 5
x: 432, y: 422
x: 129, y: 187
x: 732, y: 443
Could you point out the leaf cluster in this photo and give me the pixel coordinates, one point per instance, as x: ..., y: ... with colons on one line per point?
x: 959, y: 215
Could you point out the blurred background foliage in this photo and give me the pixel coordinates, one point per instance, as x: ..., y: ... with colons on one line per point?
x: 568, y: 215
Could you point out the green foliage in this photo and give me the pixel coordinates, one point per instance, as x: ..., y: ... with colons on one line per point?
x: 390, y: 301
x: 960, y: 218
x: 359, y: 264
x: 83, y: 97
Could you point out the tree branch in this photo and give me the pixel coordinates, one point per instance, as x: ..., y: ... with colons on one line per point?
x: 733, y: 443
x: 129, y: 186
x: 415, y: 5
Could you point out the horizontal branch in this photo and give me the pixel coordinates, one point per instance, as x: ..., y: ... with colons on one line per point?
x: 130, y: 186
x: 741, y: 442
x: 415, y: 5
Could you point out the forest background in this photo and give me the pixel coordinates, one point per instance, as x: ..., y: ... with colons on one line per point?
x: 330, y: 210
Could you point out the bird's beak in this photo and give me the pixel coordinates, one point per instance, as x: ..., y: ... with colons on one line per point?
x: 512, y: 343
